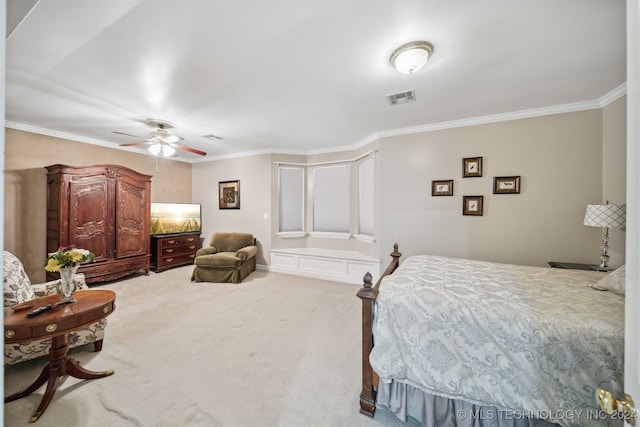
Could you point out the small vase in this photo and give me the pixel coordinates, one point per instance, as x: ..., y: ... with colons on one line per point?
x: 66, y: 284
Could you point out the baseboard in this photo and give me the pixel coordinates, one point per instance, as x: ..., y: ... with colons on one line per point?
x: 327, y: 264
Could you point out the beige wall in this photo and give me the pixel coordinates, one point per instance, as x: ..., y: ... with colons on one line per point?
x: 255, y: 198
x: 565, y: 162
x: 560, y: 161
x: 26, y: 156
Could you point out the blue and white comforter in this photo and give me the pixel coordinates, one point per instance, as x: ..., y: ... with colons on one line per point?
x: 533, y: 339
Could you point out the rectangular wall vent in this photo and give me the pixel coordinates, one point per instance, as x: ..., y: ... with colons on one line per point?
x: 402, y: 97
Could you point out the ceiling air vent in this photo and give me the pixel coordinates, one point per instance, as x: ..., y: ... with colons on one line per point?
x: 402, y: 97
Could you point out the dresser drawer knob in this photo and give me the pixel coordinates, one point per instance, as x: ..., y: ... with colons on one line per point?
x: 169, y: 250
x: 169, y: 259
x: 10, y: 333
x: 51, y: 327
x: 105, y: 309
x: 190, y: 239
x: 171, y: 241
x: 192, y: 247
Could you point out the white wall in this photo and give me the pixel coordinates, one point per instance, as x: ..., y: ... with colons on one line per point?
x: 632, y: 314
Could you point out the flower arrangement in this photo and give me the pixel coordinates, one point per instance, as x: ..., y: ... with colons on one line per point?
x: 67, y: 256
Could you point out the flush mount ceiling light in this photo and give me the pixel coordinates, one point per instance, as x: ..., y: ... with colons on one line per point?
x: 411, y: 57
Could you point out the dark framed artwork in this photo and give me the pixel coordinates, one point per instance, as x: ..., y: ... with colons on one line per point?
x: 472, y: 205
x: 229, y: 194
x: 471, y: 167
x: 442, y: 187
x: 506, y: 185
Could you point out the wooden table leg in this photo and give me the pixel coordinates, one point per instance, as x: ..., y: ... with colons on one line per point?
x: 59, y: 366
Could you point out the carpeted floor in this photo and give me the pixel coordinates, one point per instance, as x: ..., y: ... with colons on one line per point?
x: 275, y: 350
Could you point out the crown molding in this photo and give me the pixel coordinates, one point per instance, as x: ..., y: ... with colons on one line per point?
x: 614, y: 95
x: 602, y: 102
x: 605, y: 100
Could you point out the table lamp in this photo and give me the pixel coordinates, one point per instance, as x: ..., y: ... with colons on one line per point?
x: 605, y: 216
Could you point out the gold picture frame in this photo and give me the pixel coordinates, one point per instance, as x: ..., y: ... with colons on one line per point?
x: 229, y: 194
x: 506, y: 185
x: 442, y: 187
x: 472, y: 167
x: 472, y: 205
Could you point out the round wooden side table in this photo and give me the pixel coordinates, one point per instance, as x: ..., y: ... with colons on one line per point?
x: 56, y: 323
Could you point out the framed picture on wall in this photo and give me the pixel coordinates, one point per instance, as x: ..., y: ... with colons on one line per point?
x: 471, y: 167
x: 229, y: 194
x: 472, y: 205
x: 506, y: 185
x: 442, y: 187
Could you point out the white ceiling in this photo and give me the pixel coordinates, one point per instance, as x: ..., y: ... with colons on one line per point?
x: 300, y: 76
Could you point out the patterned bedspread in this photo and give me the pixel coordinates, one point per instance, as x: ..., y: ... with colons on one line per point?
x: 532, y: 339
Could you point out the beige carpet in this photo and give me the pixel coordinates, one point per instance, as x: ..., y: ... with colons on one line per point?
x: 275, y: 350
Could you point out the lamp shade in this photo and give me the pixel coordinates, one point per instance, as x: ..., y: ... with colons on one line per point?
x: 605, y: 216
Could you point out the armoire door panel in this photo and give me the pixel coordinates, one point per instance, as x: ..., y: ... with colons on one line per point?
x: 132, y: 220
x: 89, y: 219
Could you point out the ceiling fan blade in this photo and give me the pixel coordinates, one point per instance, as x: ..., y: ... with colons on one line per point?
x: 189, y: 149
x: 127, y: 134
x: 131, y: 144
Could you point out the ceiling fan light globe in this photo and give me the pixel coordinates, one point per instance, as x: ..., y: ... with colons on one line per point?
x: 155, y: 149
x: 168, y: 150
x: 172, y: 138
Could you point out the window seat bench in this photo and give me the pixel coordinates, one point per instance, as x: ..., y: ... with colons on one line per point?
x: 327, y: 264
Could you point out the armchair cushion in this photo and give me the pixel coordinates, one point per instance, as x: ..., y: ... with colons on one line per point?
x: 220, y: 259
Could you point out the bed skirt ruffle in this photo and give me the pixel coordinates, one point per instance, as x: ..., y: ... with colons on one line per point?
x: 436, y: 411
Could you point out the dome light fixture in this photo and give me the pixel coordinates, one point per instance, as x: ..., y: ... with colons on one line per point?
x: 411, y: 57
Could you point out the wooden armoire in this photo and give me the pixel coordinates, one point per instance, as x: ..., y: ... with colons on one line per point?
x: 102, y: 208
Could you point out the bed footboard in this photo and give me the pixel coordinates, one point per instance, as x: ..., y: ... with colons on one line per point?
x: 368, y: 294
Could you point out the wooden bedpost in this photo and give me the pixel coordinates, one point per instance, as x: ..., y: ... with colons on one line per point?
x: 368, y: 294
x: 368, y: 395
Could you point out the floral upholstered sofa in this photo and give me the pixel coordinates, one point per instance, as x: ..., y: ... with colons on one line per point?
x: 18, y: 289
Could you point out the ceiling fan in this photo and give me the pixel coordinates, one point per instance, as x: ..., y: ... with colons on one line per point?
x: 160, y: 140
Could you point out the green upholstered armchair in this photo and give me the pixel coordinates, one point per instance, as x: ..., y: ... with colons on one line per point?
x: 229, y: 258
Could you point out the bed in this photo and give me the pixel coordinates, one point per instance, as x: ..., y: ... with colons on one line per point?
x: 455, y: 342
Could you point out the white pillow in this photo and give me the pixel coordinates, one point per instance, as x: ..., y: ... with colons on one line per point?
x: 613, y: 282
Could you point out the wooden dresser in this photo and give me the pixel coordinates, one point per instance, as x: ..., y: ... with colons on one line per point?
x: 104, y: 209
x: 174, y: 250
